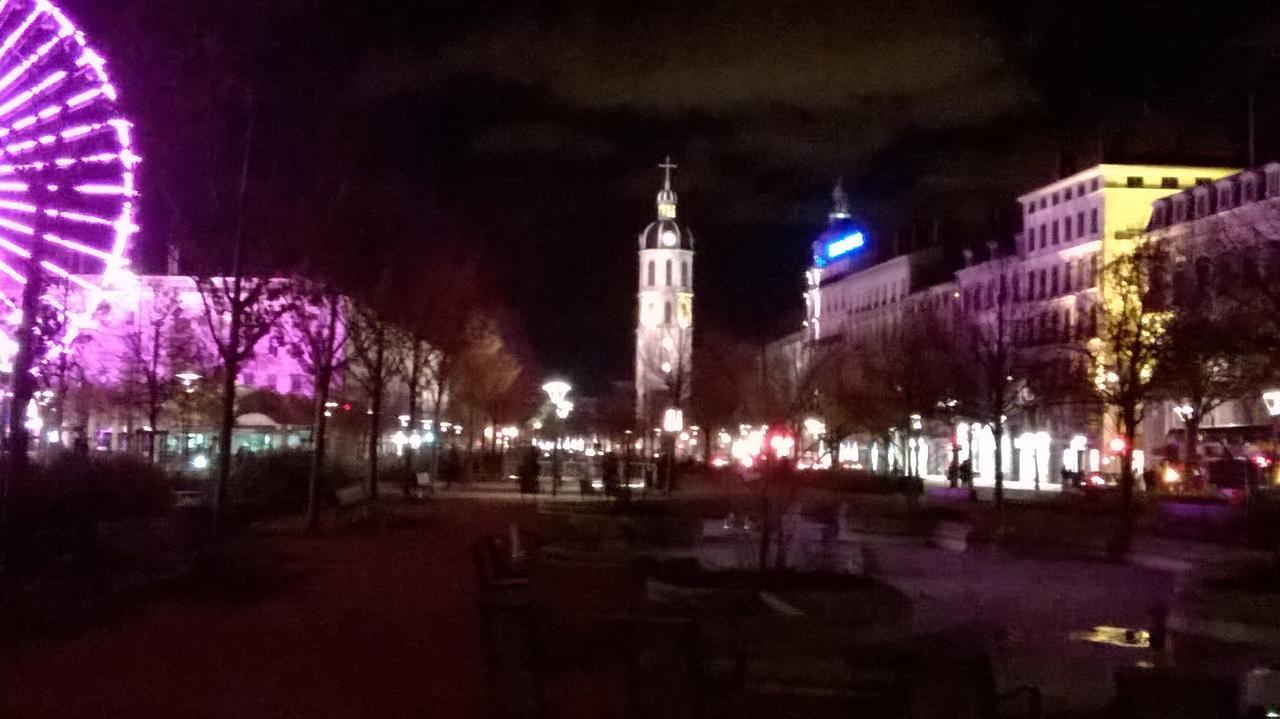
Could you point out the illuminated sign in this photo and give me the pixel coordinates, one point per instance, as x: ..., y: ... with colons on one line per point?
x: 844, y: 245
x: 835, y: 249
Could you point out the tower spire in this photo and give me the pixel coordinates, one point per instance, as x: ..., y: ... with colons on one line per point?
x: 839, y: 202
x: 667, y: 196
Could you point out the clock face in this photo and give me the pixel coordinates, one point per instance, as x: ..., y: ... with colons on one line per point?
x: 669, y: 238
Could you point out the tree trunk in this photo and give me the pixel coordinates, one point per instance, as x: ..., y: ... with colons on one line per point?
x: 1124, y: 538
x: 375, y: 416
x: 231, y: 367
x: 1192, y: 443
x: 315, y: 481
x: 415, y: 374
x: 997, y: 435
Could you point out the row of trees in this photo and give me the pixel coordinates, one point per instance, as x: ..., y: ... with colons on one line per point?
x: 1192, y: 322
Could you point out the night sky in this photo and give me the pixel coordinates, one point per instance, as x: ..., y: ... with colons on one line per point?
x: 526, y: 134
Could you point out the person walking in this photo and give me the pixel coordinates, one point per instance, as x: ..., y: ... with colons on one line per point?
x: 528, y: 471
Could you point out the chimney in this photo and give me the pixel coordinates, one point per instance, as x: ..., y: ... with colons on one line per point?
x: 992, y: 247
x: 968, y: 257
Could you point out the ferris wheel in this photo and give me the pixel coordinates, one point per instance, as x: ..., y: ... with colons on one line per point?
x: 67, y: 194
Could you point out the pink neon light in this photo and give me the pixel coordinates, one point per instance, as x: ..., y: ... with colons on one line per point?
x: 38, y: 89
x: 20, y: 70
x: 5, y: 268
x: 78, y: 100
x: 18, y: 206
x: 104, y: 190
x: 16, y: 226
x: 79, y: 217
x: 83, y: 249
x: 19, y: 251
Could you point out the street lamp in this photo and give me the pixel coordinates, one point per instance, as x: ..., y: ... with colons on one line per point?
x: 188, y: 380
x: 1271, y: 398
x: 557, y: 391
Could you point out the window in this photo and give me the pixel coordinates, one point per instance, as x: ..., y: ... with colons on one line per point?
x: 1044, y: 236
x: 1053, y: 282
x: 1031, y: 285
x: 1016, y: 295
x: 1093, y: 270
x: 1031, y: 208
x: 1093, y: 221
x: 1133, y: 182
x: 650, y: 277
x: 1080, y: 273
x: 1055, y: 198
x: 1080, y: 224
x: 1202, y: 206
x: 666, y: 313
x: 1066, y: 277
x: 684, y: 274
x: 1224, y: 198
x: 1273, y: 184
x: 1066, y: 227
x: 668, y: 273
x: 1080, y: 189
x: 1066, y: 194
x: 1044, y: 286
x: 1203, y: 180
x: 1169, y: 183
x: 1055, y: 232
x: 1093, y: 186
x: 1044, y: 202
x: 1250, y: 190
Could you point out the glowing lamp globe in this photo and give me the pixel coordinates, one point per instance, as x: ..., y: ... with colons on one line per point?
x: 67, y: 194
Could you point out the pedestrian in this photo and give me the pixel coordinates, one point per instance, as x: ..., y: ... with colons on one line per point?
x: 528, y: 471
x: 610, y: 474
x: 451, y: 467
x: 556, y: 472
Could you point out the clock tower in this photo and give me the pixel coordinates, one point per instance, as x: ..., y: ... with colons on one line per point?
x: 664, y: 322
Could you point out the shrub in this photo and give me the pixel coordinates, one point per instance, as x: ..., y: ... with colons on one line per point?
x: 56, y: 508
x: 277, y: 481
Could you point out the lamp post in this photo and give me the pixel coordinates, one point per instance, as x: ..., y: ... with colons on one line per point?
x: 188, y: 380
x: 1271, y: 398
x: 557, y: 392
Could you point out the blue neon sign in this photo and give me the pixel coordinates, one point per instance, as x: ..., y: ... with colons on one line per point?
x: 844, y: 245
x: 835, y: 249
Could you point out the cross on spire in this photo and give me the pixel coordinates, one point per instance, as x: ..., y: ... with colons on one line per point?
x: 667, y: 166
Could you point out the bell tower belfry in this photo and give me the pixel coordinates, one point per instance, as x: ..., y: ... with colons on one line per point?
x: 664, y: 321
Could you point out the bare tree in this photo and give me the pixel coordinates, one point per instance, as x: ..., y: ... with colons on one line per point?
x: 315, y: 331
x: 374, y: 343
x: 154, y: 354
x: 992, y: 356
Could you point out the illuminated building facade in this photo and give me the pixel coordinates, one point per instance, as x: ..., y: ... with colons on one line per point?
x: 664, y: 326
x: 1049, y: 288
x: 1210, y: 231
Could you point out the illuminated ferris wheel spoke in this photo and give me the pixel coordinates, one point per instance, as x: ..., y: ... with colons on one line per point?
x: 66, y: 160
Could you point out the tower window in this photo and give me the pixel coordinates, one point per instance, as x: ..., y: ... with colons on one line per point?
x: 1169, y: 183
x: 666, y: 313
x: 1134, y: 182
x: 668, y: 273
x: 684, y: 274
x: 650, y: 282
